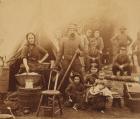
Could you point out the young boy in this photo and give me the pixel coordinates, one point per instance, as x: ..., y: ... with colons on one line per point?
x: 75, y: 92
x: 90, y: 79
x: 99, y: 96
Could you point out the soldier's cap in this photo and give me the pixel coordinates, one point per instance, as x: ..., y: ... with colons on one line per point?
x: 97, y: 29
x: 72, y: 26
x: 123, y: 28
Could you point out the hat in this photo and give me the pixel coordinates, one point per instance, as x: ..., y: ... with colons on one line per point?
x: 72, y: 26
x: 123, y: 28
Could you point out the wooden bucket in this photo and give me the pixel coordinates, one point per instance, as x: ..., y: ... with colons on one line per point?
x: 4, y: 79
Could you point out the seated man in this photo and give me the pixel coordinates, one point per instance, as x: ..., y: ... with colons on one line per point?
x: 93, y: 55
x: 122, y: 63
x: 106, y: 58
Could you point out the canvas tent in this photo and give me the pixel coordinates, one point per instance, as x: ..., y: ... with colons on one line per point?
x: 46, y: 17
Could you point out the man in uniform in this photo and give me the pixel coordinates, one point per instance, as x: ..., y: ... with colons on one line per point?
x: 86, y: 38
x: 93, y: 56
x: 122, y: 39
x: 69, y: 45
x: 99, y: 41
x: 122, y: 63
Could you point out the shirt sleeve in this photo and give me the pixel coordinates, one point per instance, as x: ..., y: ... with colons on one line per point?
x: 115, y: 62
x: 42, y: 50
x: 134, y: 45
x: 82, y: 48
x: 68, y: 90
x: 101, y: 44
x: 24, y: 52
x: 129, y: 40
x: 85, y: 43
x: 128, y: 60
x: 60, y: 52
x: 114, y: 39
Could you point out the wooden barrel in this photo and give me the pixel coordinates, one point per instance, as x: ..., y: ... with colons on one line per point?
x: 4, y: 79
x: 29, y: 98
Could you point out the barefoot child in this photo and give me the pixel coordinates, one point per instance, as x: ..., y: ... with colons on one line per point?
x: 75, y: 92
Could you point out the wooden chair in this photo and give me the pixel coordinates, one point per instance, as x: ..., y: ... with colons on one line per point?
x: 52, y: 96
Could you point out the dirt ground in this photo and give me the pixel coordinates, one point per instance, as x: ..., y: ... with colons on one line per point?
x: 69, y: 113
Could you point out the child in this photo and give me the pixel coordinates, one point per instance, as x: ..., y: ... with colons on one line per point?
x: 91, y: 76
x: 75, y: 92
x: 90, y: 79
x: 99, y: 95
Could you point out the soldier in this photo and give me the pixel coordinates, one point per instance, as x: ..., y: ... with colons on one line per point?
x: 86, y: 38
x: 93, y: 56
x: 122, y: 63
x: 97, y: 38
x: 68, y: 46
x: 136, y: 48
x: 122, y: 39
x: 85, y: 41
x: 95, y: 47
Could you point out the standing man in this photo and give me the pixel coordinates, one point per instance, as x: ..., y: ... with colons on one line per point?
x: 99, y: 41
x: 86, y: 37
x: 85, y: 41
x: 136, y: 53
x: 68, y: 46
x: 122, y: 39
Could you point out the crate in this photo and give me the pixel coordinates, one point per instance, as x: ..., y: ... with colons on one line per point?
x: 132, y: 96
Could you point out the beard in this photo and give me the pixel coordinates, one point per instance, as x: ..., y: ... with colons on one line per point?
x: 72, y: 35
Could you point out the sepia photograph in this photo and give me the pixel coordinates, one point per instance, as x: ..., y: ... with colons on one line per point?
x: 69, y: 59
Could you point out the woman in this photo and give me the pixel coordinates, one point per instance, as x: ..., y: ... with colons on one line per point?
x: 32, y: 54
x: 27, y: 60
